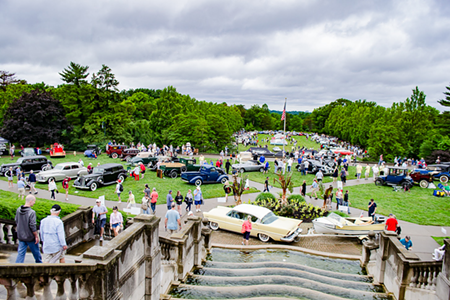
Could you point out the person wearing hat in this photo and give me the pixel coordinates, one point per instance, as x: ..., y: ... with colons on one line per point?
x: 100, y: 211
x: 53, y: 237
x: 119, y: 189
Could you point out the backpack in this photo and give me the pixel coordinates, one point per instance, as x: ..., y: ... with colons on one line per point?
x: 121, y: 188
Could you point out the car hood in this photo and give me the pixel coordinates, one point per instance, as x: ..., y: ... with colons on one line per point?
x: 90, y: 176
x: 10, y: 165
x: 49, y: 172
x: 285, y: 225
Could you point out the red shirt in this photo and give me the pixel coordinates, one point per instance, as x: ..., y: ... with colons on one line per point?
x: 391, y: 224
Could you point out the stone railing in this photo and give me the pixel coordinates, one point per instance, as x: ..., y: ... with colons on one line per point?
x: 137, y: 264
x: 400, y: 270
x: 8, y: 238
x: 183, y: 251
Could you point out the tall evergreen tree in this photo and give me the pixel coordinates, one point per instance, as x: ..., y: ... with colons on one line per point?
x: 75, y: 74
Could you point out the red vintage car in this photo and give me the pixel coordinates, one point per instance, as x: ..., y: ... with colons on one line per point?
x: 57, y: 150
x: 115, y: 151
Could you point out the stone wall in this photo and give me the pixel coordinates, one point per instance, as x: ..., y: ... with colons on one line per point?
x: 401, y: 271
x: 137, y: 264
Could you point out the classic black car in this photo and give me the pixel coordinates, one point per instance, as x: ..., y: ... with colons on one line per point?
x: 314, y: 166
x: 102, y: 175
x: 206, y: 174
x: 261, y: 151
x: 28, y: 163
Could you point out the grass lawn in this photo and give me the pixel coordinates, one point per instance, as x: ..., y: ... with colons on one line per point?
x: 419, y: 206
x: 297, y: 178
x: 301, y: 141
x: 440, y: 239
x: 162, y: 185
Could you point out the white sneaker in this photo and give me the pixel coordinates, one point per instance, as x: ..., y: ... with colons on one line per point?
x: 101, y: 238
x: 199, y: 210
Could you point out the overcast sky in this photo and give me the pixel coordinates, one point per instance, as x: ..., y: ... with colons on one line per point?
x: 242, y: 52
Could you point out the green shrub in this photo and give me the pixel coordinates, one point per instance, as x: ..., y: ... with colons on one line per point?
x: 295, y: 208
x: 9, y: 204
x: 295, y: 198
x: 265, y: 196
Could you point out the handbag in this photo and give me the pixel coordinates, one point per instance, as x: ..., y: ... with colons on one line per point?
x: 144, y: 205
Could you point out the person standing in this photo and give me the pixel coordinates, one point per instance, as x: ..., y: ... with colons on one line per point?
x: 335, y: 174
x: 227, y: 190
x: 131, y: 200
x: 27, y: 233
x: 32, y: 181
x: 372, y: 209
x: 142, y: 167
x: 375, y: 171
x: 119, y: 189
x: 53, y: 236
x: 10, y: 175
x: 319, y: 176
x: 189, y: 200
x: 198, y: 199
x: 367, y: 173
x: 179, y: 201
x: 246, y: 229
x: 21, y: 188
x: 227, y: 166
x: 154, y: 199
x: 315, y: 188
x: 346, y: 202
x: 65, y: 185
x: 343, y: 176
x: 266, y: 185
x: 290, y: 161
x: 338, y: 198
x: 169, y: 200
x: 275, y: 166
x: 52, y: 188
x: 172, y: 220
x: 266, y: 167
x: 136, y: 172
x: 11, y: 151
x: 304, y: 188
x: 99, y: 211
x: 116, y: 220
x: 391, y: 223
x: 358, y: 171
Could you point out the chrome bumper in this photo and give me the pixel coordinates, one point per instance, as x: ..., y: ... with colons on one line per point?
x: 290, y: 238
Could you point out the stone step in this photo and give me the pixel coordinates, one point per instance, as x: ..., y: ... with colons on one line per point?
x: 265, y: 290
x: 365, y: 291
x: 286, y: 265
x: 286, y: 272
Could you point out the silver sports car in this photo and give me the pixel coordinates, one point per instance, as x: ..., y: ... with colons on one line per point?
x: 249, y: 166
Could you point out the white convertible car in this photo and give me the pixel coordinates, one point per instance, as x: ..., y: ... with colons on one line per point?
x: 265, y: 224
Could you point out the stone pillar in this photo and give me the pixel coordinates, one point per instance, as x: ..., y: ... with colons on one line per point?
x: 443, y: 280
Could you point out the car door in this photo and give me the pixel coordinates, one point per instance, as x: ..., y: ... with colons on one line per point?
x: 66, y: 171
x: 236, y: 219
x: 26, y: 165
x: 74, y: 171
x: 212, y: 175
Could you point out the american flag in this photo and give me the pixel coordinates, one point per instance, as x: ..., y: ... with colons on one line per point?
x: 283, y: 115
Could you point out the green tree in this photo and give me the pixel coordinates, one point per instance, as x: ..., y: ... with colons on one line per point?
x: 75, y: 74
x: 105, y: 79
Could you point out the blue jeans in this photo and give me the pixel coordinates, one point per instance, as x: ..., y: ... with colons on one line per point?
x: 23, y: 250
x: 153, y: 206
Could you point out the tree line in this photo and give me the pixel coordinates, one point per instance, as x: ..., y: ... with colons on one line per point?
x: 409, y: 129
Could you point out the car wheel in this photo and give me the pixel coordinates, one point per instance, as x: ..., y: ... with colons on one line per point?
x: 93, y: 186
x: 173, y: 174
x: 213, y: 225
x: 115, y: 155
x: 50, y: 179
x: 443, y: 179
x: 45, y: 167
x: 379, y: 182
x: 121, y: 178
x: 223, y: 180
x: 242, y: 170
x: 261, y: 170
x: 263, y: 238
x: 423, y: 183
x: 183, y: 169
x: 198, y: 182
x: 128, y: 158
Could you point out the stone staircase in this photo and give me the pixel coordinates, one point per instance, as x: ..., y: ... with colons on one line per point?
x: 256, y: 279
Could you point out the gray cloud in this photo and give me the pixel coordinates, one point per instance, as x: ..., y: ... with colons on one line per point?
x: 243, y: 52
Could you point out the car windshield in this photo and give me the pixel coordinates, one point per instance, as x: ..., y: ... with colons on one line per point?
x: 269, y: 218
x: 98, y: 170
x: 58, y: 167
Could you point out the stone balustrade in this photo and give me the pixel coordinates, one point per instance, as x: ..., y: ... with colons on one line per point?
x: 7, y: 234
x: 402, y: 272
x: 137, y: 264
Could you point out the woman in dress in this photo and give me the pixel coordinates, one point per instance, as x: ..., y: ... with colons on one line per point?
x: 179, y: 201
x: 246, y: 229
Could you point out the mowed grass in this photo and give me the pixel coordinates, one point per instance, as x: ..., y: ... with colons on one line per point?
x: 418, y: 206
x: 137, y: 187
x: 301, y: 142
x: 440, y: 239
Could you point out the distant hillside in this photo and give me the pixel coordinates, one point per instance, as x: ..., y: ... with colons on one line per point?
x: 303, y: 114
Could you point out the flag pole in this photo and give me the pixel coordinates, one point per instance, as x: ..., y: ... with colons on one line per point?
x: 284, y: 152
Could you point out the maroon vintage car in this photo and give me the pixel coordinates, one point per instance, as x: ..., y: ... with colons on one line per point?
x: 422, y: 179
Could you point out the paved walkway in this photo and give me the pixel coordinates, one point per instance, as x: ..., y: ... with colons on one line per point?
x: 423, y: 244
